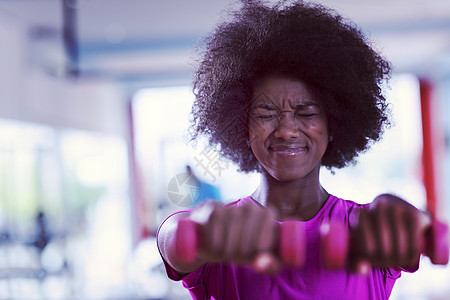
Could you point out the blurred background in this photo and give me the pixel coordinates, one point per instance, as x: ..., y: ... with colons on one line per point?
x: 94, y: 107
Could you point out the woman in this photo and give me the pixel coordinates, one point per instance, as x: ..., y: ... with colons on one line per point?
x: 284, y: 90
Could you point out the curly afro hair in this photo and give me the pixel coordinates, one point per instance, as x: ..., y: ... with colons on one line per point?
x: 301, y: 40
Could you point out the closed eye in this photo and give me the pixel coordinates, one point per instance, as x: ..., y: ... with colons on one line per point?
x: 307, y: 110
x: 306, y: 115
x: 265, y: 117
x: 264, y: 112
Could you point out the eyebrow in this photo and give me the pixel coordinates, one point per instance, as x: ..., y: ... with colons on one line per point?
x: 306, y: 105
x: 265, y: 106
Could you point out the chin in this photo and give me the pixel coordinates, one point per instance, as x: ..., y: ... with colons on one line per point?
x: 291, y: 172
x: 288, y: 176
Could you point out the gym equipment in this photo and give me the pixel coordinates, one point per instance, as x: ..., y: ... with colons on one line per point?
x: 291, y: 245
x: 334, y: 240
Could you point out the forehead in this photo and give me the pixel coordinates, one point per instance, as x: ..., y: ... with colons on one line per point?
x: 281, y: 91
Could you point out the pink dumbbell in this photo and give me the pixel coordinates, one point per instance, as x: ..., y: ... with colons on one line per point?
x: 186, y: 240
x: 335, y: 244
x: 291, y: 244
x: 436, y: 243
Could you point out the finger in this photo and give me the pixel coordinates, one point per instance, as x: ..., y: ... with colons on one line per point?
x: 363, y: 267
x: 400, y: 235
x: 233, y: 233
x: 362, y: 240
x: 214, y: 233
x: 252, y: 222
x: 368, y: 242
x: 383, y: 233
x: 202, y: 213
x: 267, y: 236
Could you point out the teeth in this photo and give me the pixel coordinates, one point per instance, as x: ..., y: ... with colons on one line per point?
x: 288, y: 149
x: 283, y: 148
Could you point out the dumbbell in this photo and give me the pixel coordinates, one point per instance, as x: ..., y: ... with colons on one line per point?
x: 334, y: 240
x: 292, y: 246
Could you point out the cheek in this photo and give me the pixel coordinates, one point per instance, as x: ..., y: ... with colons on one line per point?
x: 258, y: 133
x: 322, y: 132
x: 320, y: 128
x: 324, y: 138
x: 318, y: 133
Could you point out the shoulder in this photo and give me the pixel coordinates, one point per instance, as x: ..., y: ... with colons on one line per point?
x: 345, y: 203
x: 343, y: 209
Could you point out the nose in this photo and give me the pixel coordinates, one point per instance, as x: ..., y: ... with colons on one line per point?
x: 287, y: 127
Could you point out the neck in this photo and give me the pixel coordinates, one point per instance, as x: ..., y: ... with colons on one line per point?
x: 300, y: 199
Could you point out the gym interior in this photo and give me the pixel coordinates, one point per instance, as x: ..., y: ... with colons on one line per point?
x: 95, y: 97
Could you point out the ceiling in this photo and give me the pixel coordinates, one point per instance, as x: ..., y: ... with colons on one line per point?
x: 154, y: 40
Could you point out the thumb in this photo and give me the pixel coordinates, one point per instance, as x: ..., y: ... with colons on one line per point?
x: 360, y: 267
x: 266, y: 262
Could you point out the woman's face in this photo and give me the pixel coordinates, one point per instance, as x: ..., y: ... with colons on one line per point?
x: 287, y: 128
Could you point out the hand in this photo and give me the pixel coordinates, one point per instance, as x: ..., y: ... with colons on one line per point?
x: 389, y: 232
x: 245, y: 234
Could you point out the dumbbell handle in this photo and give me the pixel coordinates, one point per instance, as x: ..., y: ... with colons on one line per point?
x: 335, y: 244
x: 291, y: 244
